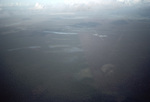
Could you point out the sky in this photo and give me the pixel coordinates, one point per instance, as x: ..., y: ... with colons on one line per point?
x: 75, y: 1
x: 138, y: 6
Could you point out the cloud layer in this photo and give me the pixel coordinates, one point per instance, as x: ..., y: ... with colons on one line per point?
x: 110, y: 8
x: 73, y: 2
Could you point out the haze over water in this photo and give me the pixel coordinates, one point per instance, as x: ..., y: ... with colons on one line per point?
x: 67, y: 51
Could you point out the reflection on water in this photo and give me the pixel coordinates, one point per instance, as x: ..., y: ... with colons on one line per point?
x: 73, y: 49
x: 58, y: 46
x: 101, y: 36
x: 30, y: 47
x: 51, y: 32
x: 14, y: 49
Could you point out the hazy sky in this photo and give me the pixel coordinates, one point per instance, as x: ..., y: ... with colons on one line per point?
x: 75, y: 1
x: 124, y: 7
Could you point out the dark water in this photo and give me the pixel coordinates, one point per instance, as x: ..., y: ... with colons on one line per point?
x: 82, y: 60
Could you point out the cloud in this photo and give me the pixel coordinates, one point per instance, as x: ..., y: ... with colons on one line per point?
x: 38, y: 6
x: 77, y: 5
x: 83, y: 74
x: 86, y: 5
x: 130, y: 1
x: 101, y: 2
